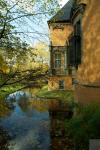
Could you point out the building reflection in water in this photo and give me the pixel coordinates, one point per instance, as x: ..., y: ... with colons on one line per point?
x: 58, y: 113
x: 42, y: 122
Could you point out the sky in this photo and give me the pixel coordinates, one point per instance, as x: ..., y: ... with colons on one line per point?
x: 63, y: 2
x: 44, y: 28
x: 33, y: 38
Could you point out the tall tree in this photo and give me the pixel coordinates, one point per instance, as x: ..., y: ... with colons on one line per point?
x: 14, y: 16
x: 16, y: 13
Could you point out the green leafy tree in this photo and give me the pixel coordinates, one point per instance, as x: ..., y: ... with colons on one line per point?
x: 14, y: 51
x: 23, y: 12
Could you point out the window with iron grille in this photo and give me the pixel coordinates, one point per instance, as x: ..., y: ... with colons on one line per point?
x: 57, y: 60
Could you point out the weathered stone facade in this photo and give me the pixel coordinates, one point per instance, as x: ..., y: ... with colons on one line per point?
x: 53, y: 83
x: 76, y: 33
x: 88, y: 74
x: 89, y: 70
x: 60, y: 31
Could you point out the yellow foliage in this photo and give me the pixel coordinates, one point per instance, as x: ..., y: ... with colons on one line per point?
x: 42, y: 53
x: 39, y: 58
x: 3, y: 66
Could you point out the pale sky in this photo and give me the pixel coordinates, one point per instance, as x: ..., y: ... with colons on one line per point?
x: 33, y: 27
x: 63, y: 2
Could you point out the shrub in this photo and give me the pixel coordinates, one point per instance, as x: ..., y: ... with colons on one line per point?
x: 84, y: 126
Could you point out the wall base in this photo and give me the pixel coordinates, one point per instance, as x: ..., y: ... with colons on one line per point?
x: 53, y: 82
x: 87, y: 94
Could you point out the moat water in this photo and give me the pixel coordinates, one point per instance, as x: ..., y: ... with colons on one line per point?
x: 33, y: 124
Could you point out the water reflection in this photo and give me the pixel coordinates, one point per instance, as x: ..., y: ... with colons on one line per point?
x: 57, y: 129
x: 18, y: 95
x: 5, y: 109
x: 36, y: 124
x: 4, y: 139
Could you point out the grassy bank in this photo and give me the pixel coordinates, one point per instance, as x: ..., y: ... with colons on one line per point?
x: 8, y: 90
x: 62, y: 95
x: 4, y: 92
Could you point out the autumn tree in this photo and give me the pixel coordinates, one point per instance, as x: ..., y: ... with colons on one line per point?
x: 15, y: 15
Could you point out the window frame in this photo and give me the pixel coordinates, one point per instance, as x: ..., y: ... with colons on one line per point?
x: 57, y: 60
x: 61, y: 87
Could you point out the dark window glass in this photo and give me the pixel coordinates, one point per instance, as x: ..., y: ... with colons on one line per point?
x: 61, y: 84
x: 57, y: 60
x: 77, y: 28
x: 74, y: 49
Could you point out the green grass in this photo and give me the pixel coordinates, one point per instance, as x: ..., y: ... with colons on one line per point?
x: 8, y: 90
x: 62, y: 95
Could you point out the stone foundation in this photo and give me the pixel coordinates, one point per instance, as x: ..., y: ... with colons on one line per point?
x: 53, y: 82
x: 87, y: 94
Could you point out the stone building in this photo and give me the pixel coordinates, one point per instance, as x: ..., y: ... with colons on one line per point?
x: 75, y: 49
x: 65, y: 39
x: 60, y: 30
x: 88, y: 73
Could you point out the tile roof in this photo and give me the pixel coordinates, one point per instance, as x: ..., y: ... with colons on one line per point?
x: 64, y: 14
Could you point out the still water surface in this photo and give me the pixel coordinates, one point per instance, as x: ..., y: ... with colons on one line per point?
x: 33, y: 124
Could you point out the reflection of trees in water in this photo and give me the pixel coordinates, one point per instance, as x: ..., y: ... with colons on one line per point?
x: 24, y: 104
x: 4, y: 139
x: 5, y: 109
x: 39, y: 105
x: 32, y: 91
